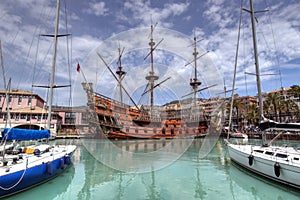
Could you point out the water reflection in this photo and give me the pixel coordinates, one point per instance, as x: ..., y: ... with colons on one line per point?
x: 255, y: 187
x: 189, y: 177
x: 137, y: 156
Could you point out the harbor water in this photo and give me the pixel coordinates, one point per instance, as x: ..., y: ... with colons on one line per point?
x: 130, y: 170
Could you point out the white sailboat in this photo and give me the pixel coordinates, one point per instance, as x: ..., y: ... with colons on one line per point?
x: 278, y: 163
x: 23, y: 167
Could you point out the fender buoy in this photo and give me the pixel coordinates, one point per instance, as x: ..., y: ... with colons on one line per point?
x: 49, y: 168
x: 62, y: 163
x: 277, y: 169
x: 37, y: 152
x: 67, y: 159
x: 251, y: 158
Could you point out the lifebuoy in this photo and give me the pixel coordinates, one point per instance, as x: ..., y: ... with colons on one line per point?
x: 251, y: 158
x: 277, y: 169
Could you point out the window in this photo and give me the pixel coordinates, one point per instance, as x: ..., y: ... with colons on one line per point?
x: 29, y: 100
x: 84, y: 118
x: 258, y: 151
x: 70, y: 118
x: 269, y: 153
x: 23, y: 116
x: 280, y: 155
x: 20, y: 100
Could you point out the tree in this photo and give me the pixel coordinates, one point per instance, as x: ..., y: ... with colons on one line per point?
x: 237, y: 106
x: 272, y: 104
x: 295, y: 90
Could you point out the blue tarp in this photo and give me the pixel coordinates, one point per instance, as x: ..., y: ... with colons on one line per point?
x: 24, y: 134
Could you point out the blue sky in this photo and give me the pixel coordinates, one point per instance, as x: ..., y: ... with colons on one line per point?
x: 27, y: 57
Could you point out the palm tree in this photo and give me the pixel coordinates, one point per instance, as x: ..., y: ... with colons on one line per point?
x: 290, y: 108
x: 237, y: 105
x: 253, y: 114
x: 295, y: 89
x: 272, y: 104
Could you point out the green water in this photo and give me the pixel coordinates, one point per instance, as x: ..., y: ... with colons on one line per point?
x: 175, y: 171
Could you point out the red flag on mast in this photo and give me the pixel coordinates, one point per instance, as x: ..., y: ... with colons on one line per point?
x: 78, y: 67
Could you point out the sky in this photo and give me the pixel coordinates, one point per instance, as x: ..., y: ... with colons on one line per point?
x: 100, y: 28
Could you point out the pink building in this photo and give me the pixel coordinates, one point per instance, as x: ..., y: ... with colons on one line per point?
x: 74, y: 119
x: 27, y: 110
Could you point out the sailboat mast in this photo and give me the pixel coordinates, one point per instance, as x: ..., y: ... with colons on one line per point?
x: 53, y: 65
x: 7, y: 88
x: 2, y: 64
x: 256, y: 62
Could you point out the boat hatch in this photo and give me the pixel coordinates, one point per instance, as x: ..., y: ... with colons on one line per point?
x: 280, y: 155
x: 258, y: 151
x: 269, y: 153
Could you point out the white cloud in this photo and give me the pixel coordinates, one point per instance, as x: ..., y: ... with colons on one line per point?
x: 142, y: 12
x: 98, y: 8
x: 215, y: 21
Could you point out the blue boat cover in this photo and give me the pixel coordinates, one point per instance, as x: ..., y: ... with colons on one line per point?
x: 24, y: 134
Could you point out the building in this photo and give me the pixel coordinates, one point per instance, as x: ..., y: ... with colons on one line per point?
x: 27, y: 110
x: 73, y: 120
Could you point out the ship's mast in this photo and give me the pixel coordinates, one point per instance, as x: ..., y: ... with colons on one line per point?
x: 194, y: 82
x: 120, y: 73
x: 151, y: 77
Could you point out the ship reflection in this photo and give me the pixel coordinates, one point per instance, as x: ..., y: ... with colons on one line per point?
x: 189, y: 177
x: 137, y: 156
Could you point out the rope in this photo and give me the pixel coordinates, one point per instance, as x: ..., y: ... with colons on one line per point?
x: 235, y: 67
x: 17, y: 183
x: 68, y: 54
x: 275, y: 46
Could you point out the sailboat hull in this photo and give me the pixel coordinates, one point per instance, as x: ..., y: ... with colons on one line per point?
x: 255, y: 158
x: 33, y: 171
